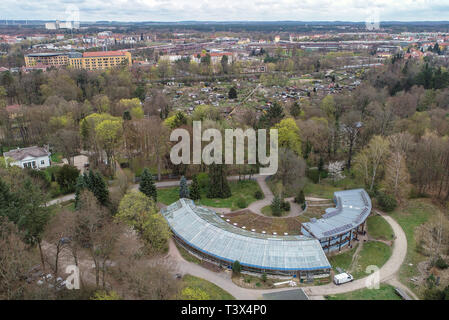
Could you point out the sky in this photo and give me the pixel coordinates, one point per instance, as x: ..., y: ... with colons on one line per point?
x: 226, y: 10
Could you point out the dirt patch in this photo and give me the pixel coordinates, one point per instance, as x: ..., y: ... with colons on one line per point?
x: 290, y: 225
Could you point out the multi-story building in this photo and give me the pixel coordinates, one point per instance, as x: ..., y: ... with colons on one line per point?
x: 87, y: 60
x: 101, y: 60
x: 49, y: 59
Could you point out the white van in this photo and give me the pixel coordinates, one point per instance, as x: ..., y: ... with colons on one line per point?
x: 342, y: 278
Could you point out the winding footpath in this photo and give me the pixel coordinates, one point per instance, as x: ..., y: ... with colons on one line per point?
x: 387, y: 272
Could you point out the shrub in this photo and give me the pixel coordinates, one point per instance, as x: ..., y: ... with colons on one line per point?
x: 386, y: 202
x: 300, y: 198
x: 241, y: 203
x: 440, y: 263
x: 66, y: 178
x: 264, y: 277
x: 286, y: 206
x: 236, y: 267
x: 203, y: 179
x: 258, y: 194
x: 41, y: 175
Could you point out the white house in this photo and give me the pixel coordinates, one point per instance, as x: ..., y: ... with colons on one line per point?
x: 31, y: 157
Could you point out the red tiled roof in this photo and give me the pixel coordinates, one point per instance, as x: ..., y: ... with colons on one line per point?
x: 217, y: 54
x: 13, y: 108
x: 103, y: 54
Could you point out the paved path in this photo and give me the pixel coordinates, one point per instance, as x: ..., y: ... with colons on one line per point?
x: 159, y: 184
x: 387, y: 272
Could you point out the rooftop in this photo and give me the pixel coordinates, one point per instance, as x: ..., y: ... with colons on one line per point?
x: 353, y: 207
x: 204, y: 230
x: 103, y: 54
x: 20, y: 154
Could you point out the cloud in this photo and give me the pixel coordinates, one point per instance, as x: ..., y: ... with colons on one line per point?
x: 229, y: 10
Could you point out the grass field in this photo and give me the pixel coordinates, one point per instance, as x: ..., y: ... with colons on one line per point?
x: 379, y: 228
x: 385, y: 292
x: 214, y: 292
x: 239, y: 189
x: 186, y: 255
x: 373, y: 253
x: 413, y: 214
x: 325, y: 189
x: 343, y: 260
x: 268, y: 212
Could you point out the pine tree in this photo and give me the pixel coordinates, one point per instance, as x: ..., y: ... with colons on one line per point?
x: 232, y: 93
x: 183, y: 189
x: 276, y: 206
x: 80, y: 185
x: 195, y: 189
x: 147, y: 185
x: 6, y: 200
x: 218, y: 183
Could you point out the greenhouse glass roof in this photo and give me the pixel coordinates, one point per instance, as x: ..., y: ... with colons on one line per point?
x: 204, y: 230
x: 353, y: 207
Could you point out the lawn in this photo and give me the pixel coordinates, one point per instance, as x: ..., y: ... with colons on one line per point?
x: 325, y: 189
x: 214, y: 292
x: 268, y: 212
x: 343, y: 260
x: 413, y: 214
x: 379, y: 229
x: 239, y: 189
x: 373, y: 253
x: 186, y: 255
x: 385, y: 292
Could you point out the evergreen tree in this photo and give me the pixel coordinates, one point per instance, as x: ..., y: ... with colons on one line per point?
x: 295, y: 110
x: 276, y: 206
x: 100, y: 189
x: 126, y: 115
x: 232, y: 93
x: 195, y: 189
x: 300, y: 199
x: 183, y: 189
x: 80, y: 185
x: 236, y: 267
x: 6, y: 201
x: 147, y: 185
x: 218, y: 184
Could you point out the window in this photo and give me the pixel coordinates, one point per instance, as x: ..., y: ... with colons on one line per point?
x: 42, y: 161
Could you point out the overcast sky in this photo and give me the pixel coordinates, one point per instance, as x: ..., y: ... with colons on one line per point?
x: 226, y: 10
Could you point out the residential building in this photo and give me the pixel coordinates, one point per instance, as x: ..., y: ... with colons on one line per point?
x: 49, y: 59
x: 88, y: 60
x: 31, y: 157
x: 101, y: 60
